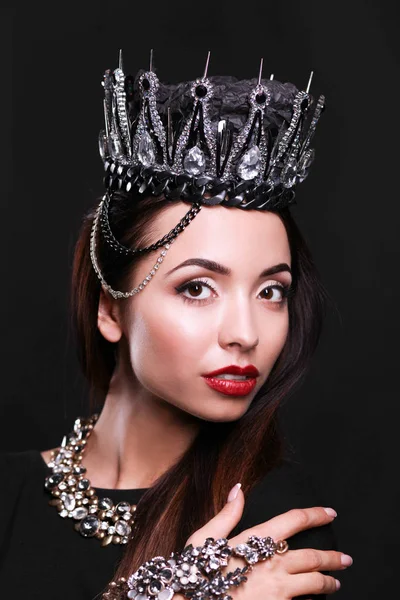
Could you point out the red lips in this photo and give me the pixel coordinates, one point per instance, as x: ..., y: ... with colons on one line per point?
x: 249, y: 370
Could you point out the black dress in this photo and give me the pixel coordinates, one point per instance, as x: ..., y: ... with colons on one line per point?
x: 43, y: 558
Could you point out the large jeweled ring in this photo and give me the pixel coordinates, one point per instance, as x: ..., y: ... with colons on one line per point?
x: 258, y: 548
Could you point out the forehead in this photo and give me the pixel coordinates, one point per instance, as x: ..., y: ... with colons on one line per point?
x: 229, y: 235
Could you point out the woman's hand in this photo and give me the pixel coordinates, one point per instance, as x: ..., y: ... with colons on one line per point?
x: 283, y: 576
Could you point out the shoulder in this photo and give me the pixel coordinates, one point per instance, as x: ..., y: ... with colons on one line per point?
x: 287, y: 486
x: 15, y: 464
x: 16, y: 467
x: 21, y: 471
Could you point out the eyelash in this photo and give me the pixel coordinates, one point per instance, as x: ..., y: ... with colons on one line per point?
x: 287, y: 291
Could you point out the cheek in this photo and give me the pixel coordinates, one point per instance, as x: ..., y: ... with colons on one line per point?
x: 167, y: 342
x: 276, y: 336
x: 284, y: 331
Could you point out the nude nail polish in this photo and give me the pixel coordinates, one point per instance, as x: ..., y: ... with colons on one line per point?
x: 331, y: 512
x: 234, y: 492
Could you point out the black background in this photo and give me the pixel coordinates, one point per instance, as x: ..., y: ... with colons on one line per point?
x: 343, y: 422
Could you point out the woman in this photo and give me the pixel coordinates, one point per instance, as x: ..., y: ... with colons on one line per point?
x: 190, y: 366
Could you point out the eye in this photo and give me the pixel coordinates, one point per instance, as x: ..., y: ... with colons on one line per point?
x: 276, y: 292
x: 195, y: 288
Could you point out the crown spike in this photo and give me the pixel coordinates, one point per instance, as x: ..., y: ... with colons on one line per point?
x: 151, y: 61
x: 309, y: 82
x: 260, y: 72
x: 170, y: 133
x: 120, y: 61
x: 271, y: 77
x: 207, y: 63
x: 169, y: 119
x: 105, y: 117
x: 221, y: 142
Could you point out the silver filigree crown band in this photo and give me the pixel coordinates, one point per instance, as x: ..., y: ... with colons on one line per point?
x: 175, y: 139
x: 195, y: 142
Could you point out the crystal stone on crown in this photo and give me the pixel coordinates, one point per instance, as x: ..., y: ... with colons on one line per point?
x: 194, y: 161
x: 249, y: 165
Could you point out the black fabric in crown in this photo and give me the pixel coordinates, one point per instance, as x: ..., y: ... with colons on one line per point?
x: 230, y: 99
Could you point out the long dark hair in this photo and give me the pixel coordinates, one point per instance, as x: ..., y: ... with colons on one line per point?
x: 193, y: 490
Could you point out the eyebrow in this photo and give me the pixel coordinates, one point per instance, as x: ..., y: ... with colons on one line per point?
x: 211, y: 265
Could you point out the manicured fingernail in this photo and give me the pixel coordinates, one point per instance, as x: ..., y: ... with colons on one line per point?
x: 330, y: 512
x: 346, y: 560
x: 234, y: 492
x: 337, y: 584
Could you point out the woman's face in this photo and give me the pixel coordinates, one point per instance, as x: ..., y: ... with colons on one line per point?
x: 176, y: 331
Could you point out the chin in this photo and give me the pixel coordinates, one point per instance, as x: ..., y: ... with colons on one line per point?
x: 226, y: 411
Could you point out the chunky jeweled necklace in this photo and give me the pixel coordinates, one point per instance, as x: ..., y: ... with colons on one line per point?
x: 74, y: 497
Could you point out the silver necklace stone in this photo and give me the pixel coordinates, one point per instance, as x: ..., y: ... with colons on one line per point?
x: 74, y: 497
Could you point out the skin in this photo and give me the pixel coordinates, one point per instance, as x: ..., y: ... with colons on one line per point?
x: 157, y: 396
x: 285, y: 576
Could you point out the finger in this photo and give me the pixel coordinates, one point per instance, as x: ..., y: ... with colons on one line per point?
x: 311, y: 583
x: 222, y: 524
x: 287, y: 524
x: 307, y: 560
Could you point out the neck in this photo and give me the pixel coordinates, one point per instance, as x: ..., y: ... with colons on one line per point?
x: 137, y: 437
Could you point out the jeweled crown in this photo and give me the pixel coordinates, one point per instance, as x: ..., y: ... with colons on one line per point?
x: 216, y: 140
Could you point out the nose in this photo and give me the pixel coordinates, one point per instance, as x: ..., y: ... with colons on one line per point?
x: 238, y: 323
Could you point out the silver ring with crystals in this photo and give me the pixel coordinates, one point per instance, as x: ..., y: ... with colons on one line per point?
x: 257, y: 549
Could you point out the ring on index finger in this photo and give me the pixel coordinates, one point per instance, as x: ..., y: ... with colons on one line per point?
x: 258, y: 548
x: 282, y: 546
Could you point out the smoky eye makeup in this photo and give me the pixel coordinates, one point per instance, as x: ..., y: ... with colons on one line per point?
x: 194, y: 284
x: 277, y: 291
